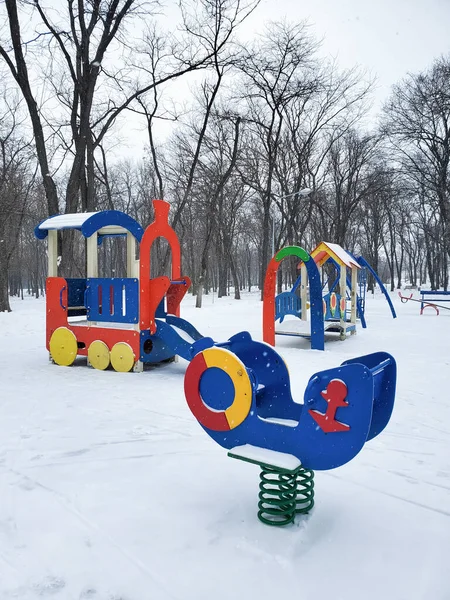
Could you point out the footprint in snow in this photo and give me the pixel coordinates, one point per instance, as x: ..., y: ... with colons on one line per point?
x: 76, y: 452
x: 26, y: 484
x: 36, y: 457
x: 88, y: 594
x: 49, y: 585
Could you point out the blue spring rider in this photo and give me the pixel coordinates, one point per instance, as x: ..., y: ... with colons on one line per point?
x: 240, y: 393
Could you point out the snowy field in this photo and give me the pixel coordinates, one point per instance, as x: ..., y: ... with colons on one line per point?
x: 110, y: 490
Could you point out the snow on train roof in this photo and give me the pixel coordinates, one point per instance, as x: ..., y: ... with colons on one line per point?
x: 105, y: 222
x: 69, y: 221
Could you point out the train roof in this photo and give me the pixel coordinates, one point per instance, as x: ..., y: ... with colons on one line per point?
x: 105, y: 222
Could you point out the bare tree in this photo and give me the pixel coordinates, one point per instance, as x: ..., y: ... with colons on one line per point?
x: 276, y: 69
x: 221, y: 173
x: 350, y: 180
x: 79, y: 51
x: 19, y: 71
x: 16, y: 181
x: 417, y: 121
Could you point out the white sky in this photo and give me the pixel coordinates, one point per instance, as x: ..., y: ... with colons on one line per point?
x: 386, y: 37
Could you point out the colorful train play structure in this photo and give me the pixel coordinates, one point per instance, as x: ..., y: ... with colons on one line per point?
x: 330, y: 312
x: 126, y: 322
x: 238, y: 390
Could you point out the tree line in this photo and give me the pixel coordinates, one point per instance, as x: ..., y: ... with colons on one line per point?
x: 269, y: 144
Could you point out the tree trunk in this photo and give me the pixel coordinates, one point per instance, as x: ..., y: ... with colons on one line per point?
x: 234, y: 275
x: 20, y: 74
x: 4, y: 287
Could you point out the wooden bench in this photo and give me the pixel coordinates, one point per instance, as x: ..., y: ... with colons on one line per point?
x: 431, y: 297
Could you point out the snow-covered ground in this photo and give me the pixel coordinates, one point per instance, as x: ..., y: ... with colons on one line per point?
x: 110, y: 490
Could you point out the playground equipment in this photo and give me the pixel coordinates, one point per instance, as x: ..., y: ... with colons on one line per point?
x: 426, y: 301
x: 238, y: 390
x: 344, y: 321
x: 125, y: 322
x: 240, y: 394
x: 362, y: 285
x: 289, y: 303
x: 362, y: 281
x: 330, y: 312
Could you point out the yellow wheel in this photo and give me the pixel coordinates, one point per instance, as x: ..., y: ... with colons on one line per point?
x: 63, y: 346
x: 122, y: 357
x: 98, y: 354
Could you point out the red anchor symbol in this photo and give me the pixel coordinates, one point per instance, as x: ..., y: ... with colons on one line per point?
x: 335, y: 395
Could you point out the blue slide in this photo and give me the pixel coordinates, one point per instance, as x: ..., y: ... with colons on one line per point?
x: 174, y: 336
x: 363, y: 262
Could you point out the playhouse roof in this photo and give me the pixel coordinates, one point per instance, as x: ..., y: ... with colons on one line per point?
x: 326, y: 250
x: 105, y: 222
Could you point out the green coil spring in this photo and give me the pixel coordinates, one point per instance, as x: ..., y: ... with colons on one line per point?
x: 305, y: 491
x: 283, y: 494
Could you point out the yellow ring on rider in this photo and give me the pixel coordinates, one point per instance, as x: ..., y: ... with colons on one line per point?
x: 122, y: 357
x: 227, y: 361
x: 63, y: 346
x: 98, y: 355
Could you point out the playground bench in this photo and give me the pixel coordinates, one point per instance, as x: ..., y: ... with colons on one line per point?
x: 430, y: 297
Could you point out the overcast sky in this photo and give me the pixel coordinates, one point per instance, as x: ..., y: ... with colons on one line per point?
x: 387, y: 37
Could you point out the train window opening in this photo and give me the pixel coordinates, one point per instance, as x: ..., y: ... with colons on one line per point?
x: 73, y: 262
x: 112, y: 257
